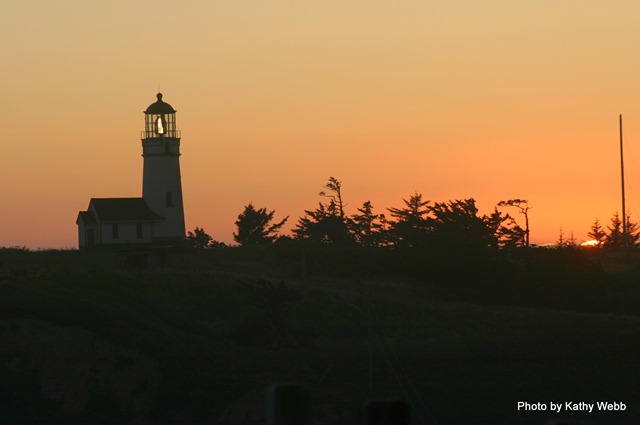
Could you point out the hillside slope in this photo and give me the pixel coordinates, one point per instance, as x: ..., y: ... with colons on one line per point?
x: 82, y: 342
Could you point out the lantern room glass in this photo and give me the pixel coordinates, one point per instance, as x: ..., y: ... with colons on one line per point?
x: 160, y: 125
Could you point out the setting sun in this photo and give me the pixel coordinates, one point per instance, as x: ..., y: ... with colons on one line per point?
x: 591, y: 243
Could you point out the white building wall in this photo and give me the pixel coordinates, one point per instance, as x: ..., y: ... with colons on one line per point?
x: 161, y: 175
x: 127, y: 233
x: 83, y: 234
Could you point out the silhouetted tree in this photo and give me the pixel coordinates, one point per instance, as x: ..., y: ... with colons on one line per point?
x: 199, y: 238
x: 523, y: 207
x: 566, y: 243
x: 327, y: 223
x: 614, y: 238
x: 335, y: 186
x: 323, y: 224
x: 496, y: 222
x: 509, y: 233
x: 597, y: 233
x: 633, y: 233
x: 617, y: 237
x: 411, y: 224
x: 457, y: 224
x: 255, y: 228
x: 561, y: 243
x: 367, y: 228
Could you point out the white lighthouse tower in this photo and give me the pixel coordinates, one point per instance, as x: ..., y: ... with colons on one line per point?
x: 161, y: 185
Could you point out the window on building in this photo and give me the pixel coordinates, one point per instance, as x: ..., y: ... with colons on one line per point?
x: 169, y: 199
x: 114, y: 231
x: 139, y: 230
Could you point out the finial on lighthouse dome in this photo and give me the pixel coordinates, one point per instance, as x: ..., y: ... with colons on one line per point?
x: 160, y: 107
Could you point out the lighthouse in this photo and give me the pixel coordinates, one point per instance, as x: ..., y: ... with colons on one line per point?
x: 157, y: 218
x: 161, y: 184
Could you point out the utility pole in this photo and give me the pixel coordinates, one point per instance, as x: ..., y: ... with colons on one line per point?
x: 624, y: 210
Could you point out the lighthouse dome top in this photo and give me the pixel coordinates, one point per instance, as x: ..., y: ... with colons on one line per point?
x: 160, y: 107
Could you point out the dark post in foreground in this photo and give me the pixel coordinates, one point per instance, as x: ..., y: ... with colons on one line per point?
x: 288, y: 404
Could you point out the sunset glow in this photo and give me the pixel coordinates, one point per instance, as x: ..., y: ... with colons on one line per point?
x: 590, y: 243
x: 452, y: 99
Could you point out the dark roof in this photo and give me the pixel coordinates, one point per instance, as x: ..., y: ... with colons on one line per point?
x: 123, y: 209
x: 160, y: 107
x: 87, y: 217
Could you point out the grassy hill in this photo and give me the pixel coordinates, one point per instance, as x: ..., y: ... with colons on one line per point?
x: 85, y: 339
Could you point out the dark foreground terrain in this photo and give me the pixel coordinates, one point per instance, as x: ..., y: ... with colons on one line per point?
x: 84, y: 338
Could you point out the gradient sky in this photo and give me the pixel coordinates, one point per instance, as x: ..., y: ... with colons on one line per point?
x: 453, y: 99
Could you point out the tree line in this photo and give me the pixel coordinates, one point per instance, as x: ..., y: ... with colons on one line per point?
x: 418, y: 223
x: 614, y: 236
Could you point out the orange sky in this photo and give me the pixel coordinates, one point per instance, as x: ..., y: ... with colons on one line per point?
x: 453, y: 99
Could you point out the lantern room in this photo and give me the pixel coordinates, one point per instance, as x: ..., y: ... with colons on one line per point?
x: 160, y: 120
